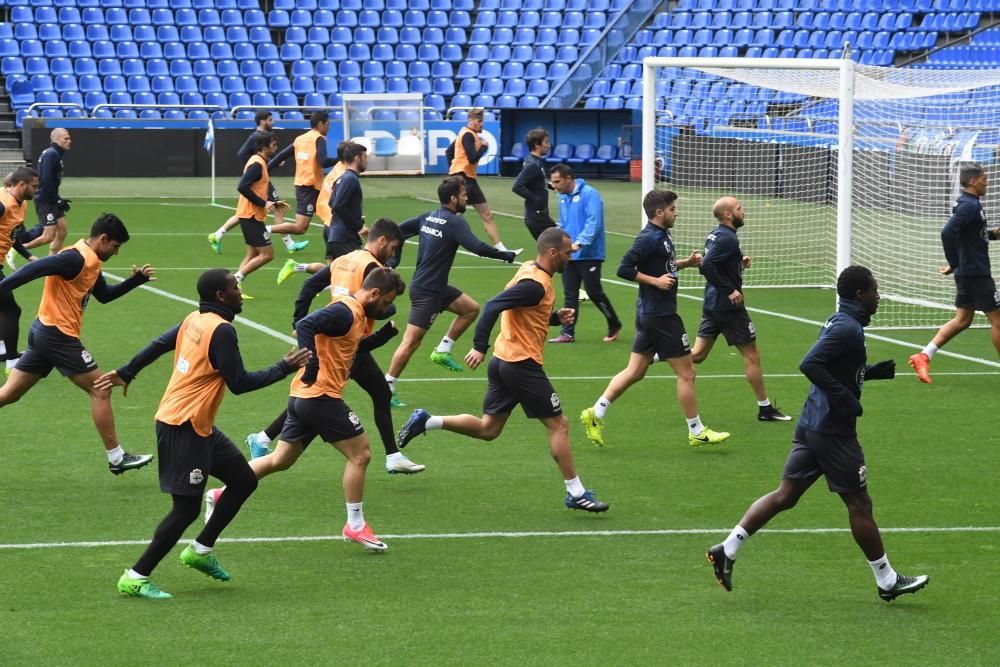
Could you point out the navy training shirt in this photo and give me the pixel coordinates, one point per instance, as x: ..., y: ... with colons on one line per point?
x: 722, y: 266
x: 966, y: 239
x: 653, y: 254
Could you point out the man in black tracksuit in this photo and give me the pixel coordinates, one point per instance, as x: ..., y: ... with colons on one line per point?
x: 532, y: 185
x: 49, y: 205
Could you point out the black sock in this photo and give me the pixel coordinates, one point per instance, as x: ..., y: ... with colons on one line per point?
x: 182, y: 514
x: 240, y: 483
x: 274, y: 430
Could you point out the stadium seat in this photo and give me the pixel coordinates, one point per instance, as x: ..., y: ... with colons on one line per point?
x: 560, y: 153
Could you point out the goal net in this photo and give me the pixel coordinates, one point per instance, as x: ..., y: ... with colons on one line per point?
x: 835, y: 163
x: 391, y: 127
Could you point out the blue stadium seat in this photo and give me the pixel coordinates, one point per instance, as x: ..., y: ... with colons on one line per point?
x: 560, y: 153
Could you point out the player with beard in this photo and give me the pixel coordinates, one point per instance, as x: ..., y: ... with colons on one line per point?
x: 724, y: 310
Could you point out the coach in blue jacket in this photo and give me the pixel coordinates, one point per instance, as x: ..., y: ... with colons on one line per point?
x: 581, y: 214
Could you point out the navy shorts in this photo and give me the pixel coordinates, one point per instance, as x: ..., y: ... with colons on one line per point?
x: 735, y: 325
x: 426, y: 306
x: 335, y: 249
x: 305, y: 200
x: 255, y: 233
x: 50, y: 348
x: 524, y: 382
x: 663, y: 335
x: 329, y: 418
x: 976, y: 293
x: 186, y: 459
x: 48, y: 213
x: 839, y: 458
x: 472, y: 190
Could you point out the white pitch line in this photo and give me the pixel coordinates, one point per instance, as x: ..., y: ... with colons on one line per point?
x: 511, y: 535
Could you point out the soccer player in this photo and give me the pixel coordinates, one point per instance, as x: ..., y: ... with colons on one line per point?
x: 723, y: 310
x: 324, y: 213
x: 253, y: 207
x: 72, y: 277
x: 966, y: 247
x: 515, y: 373
x: 316, y: 406
x: 581, y: 214
x: 207, y: 360
x: 265, y: 123
x: 464, y: 156
x: 49, y: 205
x: 310, y: 153
x: 20, y: 187
x: 441, y: 232
x: 533, y: 186
x: 825, y: 440
x: 347, y: 225
x: 659, y: 331
x: 345, y: 276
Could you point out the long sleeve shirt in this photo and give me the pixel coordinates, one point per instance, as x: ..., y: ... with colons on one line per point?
x: 319, y: 282
x: 68, y: 265
x: 346, y: 204
x: 966, y: 239
x: 836, y: 367
x: 532, y: 186
x: 722, y: 266
x: 581, y: 215
x: 245, y: 187
x: 652, y: 253
x: 50, y: 171
x: 441, y: 233
x: 334, y: 321
x: 524, y: 294
x: 247, y: 150
x: 223, y: 354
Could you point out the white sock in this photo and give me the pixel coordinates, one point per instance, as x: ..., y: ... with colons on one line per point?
x: 239, y: 276
x: 391, y: 381
x: 116, y: 455
x: 930, y: 350
x: 301, y: 268
x: 656, y: 358
x: 289, y: 241
x: 392, y: 458
x: 695, y: 426
x: 763, y: 404
x: 12, y: 362
x: 3, y: 347
x: 262, y: 439
x: 434, y: 423
x: 132, y: 574
x: 445, y: 345
x: 355, y: 516
x: 501, y: 247
x: 574, y: 487
x: 220, y: 232
x: 735, y: 540
x: 601, y: 407
x: 885, y: 576
x: 200, y: 548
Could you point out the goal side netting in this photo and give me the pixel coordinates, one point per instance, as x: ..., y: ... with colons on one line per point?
x: 835, y: 163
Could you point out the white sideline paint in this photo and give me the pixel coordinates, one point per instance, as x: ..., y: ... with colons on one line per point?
x: 512, y: 535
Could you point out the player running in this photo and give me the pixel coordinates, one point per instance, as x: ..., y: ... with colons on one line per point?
x: 825, y: 441
x: 659, y: 331
x: 515, y: 372
x: 441, y: 232
x: 19, y: 188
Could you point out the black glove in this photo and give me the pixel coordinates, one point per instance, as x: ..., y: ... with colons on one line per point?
x: 63, y: 204
x: 509, y: 256
x: 883, y: 370
x: 388, y: 331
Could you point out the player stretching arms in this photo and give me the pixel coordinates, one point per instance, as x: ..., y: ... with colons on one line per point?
x: 515, y: 372
x: 345, y: 276
x: 966, y: 247
x: 723, y: 310
x: 71, y: 278
x: 826, y: 442
x: 441, y: 233
x: 265, y: 123
x: 316, y: 406
x: 207, y: 360
x: 659, y: 331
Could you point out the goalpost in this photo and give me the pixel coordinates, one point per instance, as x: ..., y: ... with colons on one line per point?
x: 835, y: 163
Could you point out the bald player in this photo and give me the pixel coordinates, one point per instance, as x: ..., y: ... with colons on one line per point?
x: 724, y: 311
x: 515, y: 374
x: 49, y: 205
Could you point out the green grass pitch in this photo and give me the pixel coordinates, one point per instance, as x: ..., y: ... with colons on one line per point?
x: 485, y: 565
